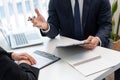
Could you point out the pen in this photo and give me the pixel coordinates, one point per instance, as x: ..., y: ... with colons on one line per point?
x: 30, y: 19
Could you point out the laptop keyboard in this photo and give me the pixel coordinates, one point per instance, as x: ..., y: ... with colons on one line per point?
x: 20, y: 39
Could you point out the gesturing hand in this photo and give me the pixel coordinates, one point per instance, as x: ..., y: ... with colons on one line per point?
x: 39, y: 21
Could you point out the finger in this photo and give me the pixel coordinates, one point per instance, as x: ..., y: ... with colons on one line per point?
x: 38, y: 26
x: 88, y: 46
x: 31, y: 61
x: 92, y: 46
x: 37, y: 12
x: 35, y: 24
x: 23, y: 58
x: 95, y: 42
x: 89, y: 38
x: 39, y: 16
x: 24, y: 61
x: 30, y: 58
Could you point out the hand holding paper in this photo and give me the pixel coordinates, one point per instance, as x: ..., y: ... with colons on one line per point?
x: 65, y: 42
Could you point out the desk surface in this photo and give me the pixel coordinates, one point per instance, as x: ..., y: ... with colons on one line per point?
x: 63, y: 71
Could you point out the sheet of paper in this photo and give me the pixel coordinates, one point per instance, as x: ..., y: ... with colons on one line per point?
x: 41, y: 61
x: 81, y: 58
x: 88, y: 63
x: 94, y: 66
x: 65, y: 41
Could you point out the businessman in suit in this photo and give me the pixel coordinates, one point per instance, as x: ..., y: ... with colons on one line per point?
x: 9, y: 70
x: 95, y: 16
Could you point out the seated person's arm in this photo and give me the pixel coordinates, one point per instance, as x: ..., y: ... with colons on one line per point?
x: 13, y: 71
x: 16, y: 56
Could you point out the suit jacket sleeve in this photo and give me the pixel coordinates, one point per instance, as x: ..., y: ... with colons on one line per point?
x: 52, y: 21
x: 104, y: 21
x: 11, y: 71
x: 32, y: 72
x: 3, y: 52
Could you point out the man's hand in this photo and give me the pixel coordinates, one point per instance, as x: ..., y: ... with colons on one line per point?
x: 93, y: 42
x: 23, y: 56
x: 24, y: 61
x: 39, y: 21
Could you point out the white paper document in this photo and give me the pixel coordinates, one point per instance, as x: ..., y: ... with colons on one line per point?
x: 65, y: 41
x: 88, y: 63
x: 41, y: 61
x: 94, y: 66
x: 78, y: 59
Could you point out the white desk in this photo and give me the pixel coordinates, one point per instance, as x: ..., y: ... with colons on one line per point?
x: 61, y: 70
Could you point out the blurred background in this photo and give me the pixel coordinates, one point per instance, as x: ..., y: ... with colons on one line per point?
x: 14, y: 13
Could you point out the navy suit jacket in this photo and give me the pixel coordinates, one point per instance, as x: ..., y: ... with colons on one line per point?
x: 96, y: 19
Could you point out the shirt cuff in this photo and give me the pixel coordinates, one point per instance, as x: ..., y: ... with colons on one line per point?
x: 99, y: 41
x: 45, y: 31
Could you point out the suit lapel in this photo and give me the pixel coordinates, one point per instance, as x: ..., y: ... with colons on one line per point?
x: 69, y: 12
x: 68, y: 7
x: 86, y: 6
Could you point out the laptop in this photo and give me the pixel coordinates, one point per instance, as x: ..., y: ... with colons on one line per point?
x: 18, y: 40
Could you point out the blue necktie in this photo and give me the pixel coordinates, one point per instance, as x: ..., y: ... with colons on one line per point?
x: 78, y: 27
